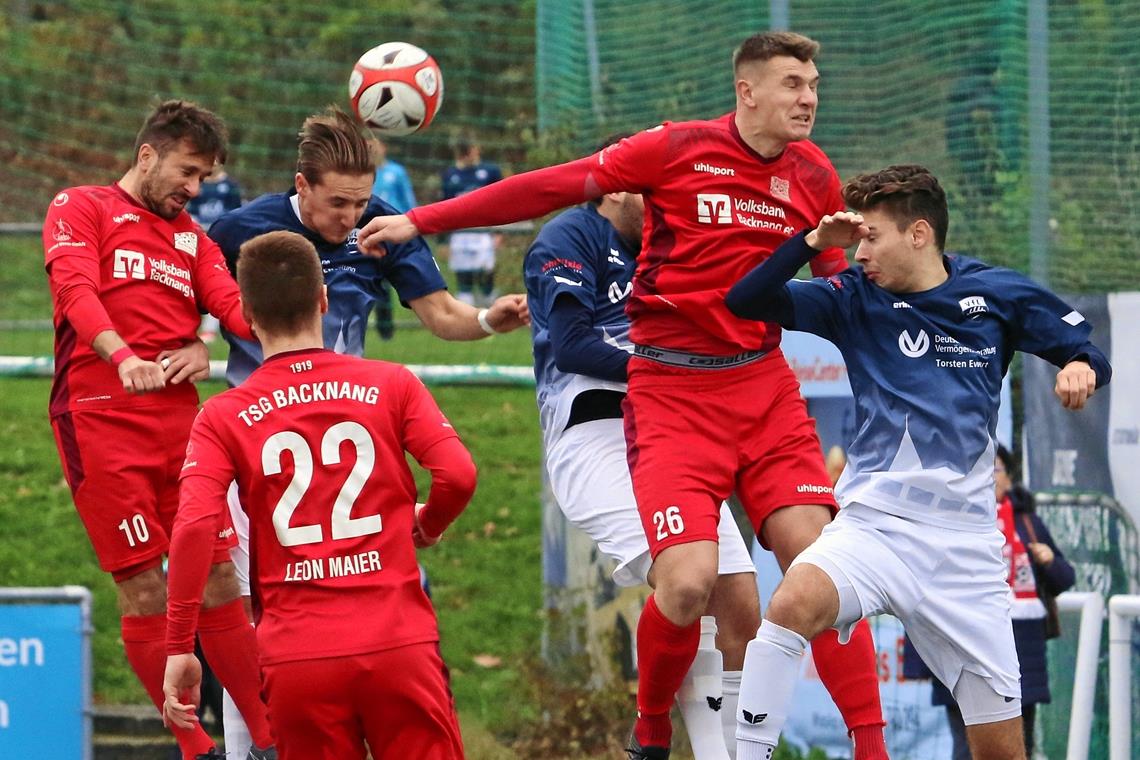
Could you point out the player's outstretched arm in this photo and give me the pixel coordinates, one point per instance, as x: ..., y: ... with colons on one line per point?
x: 524, y: 196
x: 449, y: 318
x: 181, y: 685
x: 1076, y: 383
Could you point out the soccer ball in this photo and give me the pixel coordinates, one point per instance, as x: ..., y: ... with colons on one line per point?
x: 396, y: 88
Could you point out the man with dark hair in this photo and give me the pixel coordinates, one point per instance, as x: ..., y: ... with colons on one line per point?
x: 712, y: 406
x: 926, y: 338
x: 316, y: 442
x: 332, y: 198
x: 578, y: 273
x: 128, y: 270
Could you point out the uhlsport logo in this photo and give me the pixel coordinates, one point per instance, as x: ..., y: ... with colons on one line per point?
x: 720, y: 171
x: 973, y: 306
x: 916, y: 346
x: 714, y: 208
x: 128, y: 265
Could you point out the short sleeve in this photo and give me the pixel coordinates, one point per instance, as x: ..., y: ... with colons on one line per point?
x: 423, y: 424
x: 1044, y: 325
x: 819, y: 304
x: 206, y: 453
x: 71, y: 227
x: 561, y: 261
x: 633, y: 164
x: 410, y: 266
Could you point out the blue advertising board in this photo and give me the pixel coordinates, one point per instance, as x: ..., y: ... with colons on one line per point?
x: 45, y: 684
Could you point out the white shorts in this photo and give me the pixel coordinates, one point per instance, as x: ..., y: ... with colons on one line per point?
x: 589, y: 475
x: 471, y: 251
x: 240, y: 553
x: 948, y: 588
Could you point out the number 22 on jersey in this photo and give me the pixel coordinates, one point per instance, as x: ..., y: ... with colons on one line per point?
x: 344, y: 525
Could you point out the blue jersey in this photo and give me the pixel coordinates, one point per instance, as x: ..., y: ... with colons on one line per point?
x: 456, y: 181
x: 926, y: 371
x: 352, y: 278
x: 577, y: 254
x: 213, y: 200
x: 393, y: 186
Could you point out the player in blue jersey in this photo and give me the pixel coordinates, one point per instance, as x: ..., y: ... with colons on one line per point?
x: 218, y: 194
x: 471, y: 255
x: 579, y: 273
x: 331, y: 200
x: 927, y: 338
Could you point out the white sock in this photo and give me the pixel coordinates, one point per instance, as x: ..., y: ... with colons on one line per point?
x: 700, y: 698
x: 730, y: 687
x: 771, y: 665
x: 238, y: 740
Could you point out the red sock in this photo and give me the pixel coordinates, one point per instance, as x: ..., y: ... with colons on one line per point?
x: 850, y: 674
x: 229, y: 644
x: 665, y: 652
x: 144, y: 639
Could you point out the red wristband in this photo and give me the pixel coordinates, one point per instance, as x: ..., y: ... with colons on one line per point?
x: 121, y: 355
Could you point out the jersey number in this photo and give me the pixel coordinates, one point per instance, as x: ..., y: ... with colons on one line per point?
x: 343, y: 524
x: 668, y: 522
x: 135, y: 530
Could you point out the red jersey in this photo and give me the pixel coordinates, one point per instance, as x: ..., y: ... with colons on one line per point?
x: 114, y: 264
x: 714, y: 209
x: 316, y: 443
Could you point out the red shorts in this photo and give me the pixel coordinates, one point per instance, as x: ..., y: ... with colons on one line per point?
x: 696, y: 436
x: 122, y: 466
x: 398, y: 700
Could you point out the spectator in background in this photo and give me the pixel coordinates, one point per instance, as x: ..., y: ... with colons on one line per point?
x: 218, y: 194
x: 392, y: 186
x: 472, y: 254
x: 1036, y: 568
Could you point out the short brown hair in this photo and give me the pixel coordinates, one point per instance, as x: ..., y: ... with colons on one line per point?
x: 279, y: 274
x: 333, y: 141
x: 172, y: 121
x: 768, y: 45
x: 907, y: 192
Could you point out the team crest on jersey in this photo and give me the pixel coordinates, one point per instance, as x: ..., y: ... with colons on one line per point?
x: 973, y: 306
x: 187, y: 242
x: 835, y: 283
x: 62, y: 231
x: 781, y: 188
x: 60, y: 199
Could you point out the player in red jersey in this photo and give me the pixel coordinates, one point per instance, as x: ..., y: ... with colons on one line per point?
x: 316, y: 440
x: 128, y: 270
x: 712, y: 406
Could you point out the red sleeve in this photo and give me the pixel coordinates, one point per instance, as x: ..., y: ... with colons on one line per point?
x: 206, y: 475
x: 833, y: 260
x: 629, y: 165
x: 71, y: 256
x: 453, y: 478
x: 217, y: 290
x: 431, y: 439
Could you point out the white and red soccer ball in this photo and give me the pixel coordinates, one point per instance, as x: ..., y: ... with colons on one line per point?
x: 396, y: 88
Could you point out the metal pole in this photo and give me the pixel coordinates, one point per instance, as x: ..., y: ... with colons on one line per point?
x: 779, y: 15
x: 1038, y: 38
x: 1091, y: 607
x: 590, y: 26
x: 1122, y: 610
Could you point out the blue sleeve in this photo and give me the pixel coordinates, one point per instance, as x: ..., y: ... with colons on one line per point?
x: 233, y: 197
x: 1046, y: 326
x: 410, y: 266
x: 229, y: 234
x: 576, y: 345
x: 760, y: 295
x: 562, y: 260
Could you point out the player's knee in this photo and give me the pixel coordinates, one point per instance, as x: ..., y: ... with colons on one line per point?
x: 685, y: 576
x: 736, y: 606
x: 221, y: 585
x: 799, y: 606
x: 143, y: 593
